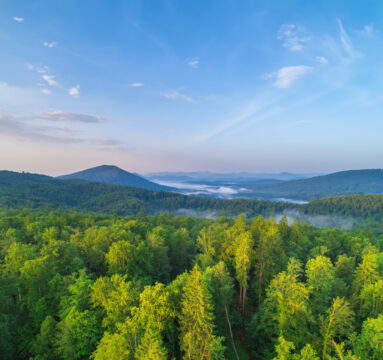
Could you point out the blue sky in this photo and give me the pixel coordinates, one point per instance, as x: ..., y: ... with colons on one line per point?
x: 224, y: 86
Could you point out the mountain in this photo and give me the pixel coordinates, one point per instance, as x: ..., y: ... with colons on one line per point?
x: 33, y: 191
x: 339, y: 183
x: 206, y: 176
x: 24, y: 190
x: 110, y: 174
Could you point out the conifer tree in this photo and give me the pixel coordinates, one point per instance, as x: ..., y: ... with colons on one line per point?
x: 198, y: 341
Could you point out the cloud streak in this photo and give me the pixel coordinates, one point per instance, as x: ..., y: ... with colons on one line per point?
x: 137, y: 84
x: 65, y: 116
x: 285, y: 76
x: 30, y: 128
x: 193, y: 62
x: 50, y: 79
x: 346, y: 42
x: 18, y: 19
x: 49, y: 44
x: 174, y: 94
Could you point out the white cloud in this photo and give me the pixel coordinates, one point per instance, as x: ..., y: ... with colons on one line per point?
x: 18, y: 19
x: 193, y: 62
x: 322, y: 59
x: 174, y: 94
x: 137, y: 84
x: 74, y: 91
x: 49, y: 44
x: 50, y: 79
x: 346, y: 42
x: 46, y: 91
x: 285, y: 76
x: 29, y: 66
x: 65, y: 116
x: 291, y: 36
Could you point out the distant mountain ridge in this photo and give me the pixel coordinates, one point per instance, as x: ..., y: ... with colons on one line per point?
x: 110, y: 174
x: 349, y: 182
x: 232, y: 176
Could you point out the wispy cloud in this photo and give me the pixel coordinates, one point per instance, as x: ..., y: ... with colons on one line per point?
x: 30, y: 128
x: 65, y: 116
x: 285, y: 76
x: 50, y: 79
x: 137, y: 84
x: 174, y: 94
x: 46, y: 91
x: 193, y: 62
x: 18, y: 19
x: 291, y: 36
x: 74, y: 91
x: 346, y: 42
x: 368, y: 30
x: 322, y: 60
x: 49, y: 44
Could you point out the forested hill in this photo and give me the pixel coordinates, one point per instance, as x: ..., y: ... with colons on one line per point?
x: 23, y: 190
x: 109, y: 174
x: 339, y: 183
x: 357, y: 206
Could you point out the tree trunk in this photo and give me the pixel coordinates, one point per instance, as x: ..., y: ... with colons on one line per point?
x: 231, y: 332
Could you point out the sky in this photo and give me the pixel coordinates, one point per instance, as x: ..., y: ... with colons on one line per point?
x: 160, y: 85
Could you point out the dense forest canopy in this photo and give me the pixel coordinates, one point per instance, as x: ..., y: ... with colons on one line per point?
x: 87, y: 286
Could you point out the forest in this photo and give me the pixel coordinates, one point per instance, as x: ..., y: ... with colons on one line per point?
x: 90, y: 286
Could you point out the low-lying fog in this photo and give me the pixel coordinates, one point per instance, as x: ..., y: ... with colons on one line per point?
x: 227, y: 191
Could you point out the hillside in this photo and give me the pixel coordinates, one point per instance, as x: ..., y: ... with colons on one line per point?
x: 23, y: 190
x: 110, y: 174
x: 339, y: 183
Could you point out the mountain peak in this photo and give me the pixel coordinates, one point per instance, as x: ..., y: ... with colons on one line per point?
x: 111, y: 174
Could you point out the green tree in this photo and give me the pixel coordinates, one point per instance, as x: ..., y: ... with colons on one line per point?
x: 198, y: 341
x: 320, y: 275
x: 339, y: 323
x: 243, y: 259
x: 371, y: 339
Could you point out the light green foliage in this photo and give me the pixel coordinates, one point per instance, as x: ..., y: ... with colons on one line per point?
x: 366, y: 273
x: 197, y: 338
x: 307, y: 353
x: 285, y: 310
x: 112, y: 347
x: 320, y: 275
x: 269, y: 257
x: 80, y: 286
x: 371, y: 298
x: 243, y: 258
x: 371, y: 339
x: 284, y: 349
x: 339, y: 323
x: 151, y: 347
x: 116, y: 296
x: 132, y: 260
